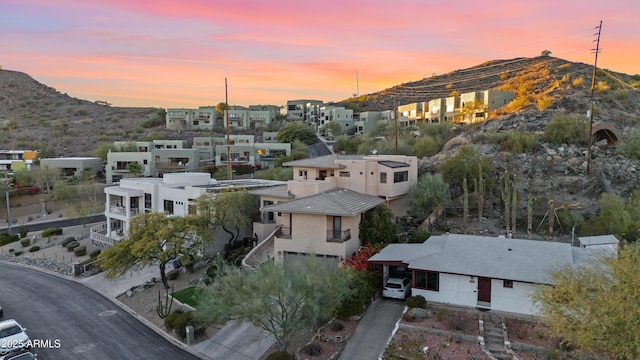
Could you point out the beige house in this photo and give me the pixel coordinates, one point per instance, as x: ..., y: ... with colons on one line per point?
x: 319, y: 211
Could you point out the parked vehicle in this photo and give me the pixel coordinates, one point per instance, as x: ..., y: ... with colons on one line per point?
x: 12, y: 337
x: 1, y: 311
x: 397, y: 288
x: 19, y: 355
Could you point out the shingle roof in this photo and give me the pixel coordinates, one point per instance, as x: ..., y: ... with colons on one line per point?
x: 327, y: 161
x: 335, y: 202
x: 499, y: 258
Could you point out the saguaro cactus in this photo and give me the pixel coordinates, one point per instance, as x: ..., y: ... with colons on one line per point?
x: 514, y: 204
x: 505, y: 193
x: 465, y: 203
x: 479, y: 188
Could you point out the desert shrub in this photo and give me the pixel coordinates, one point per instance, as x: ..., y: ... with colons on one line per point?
x: 519, y: 143
x: 210, y: 274
x: 312, y: 349
x: 631, y: 148
x: 280, y: 355
x: 34, y: 248
x: 80, y: 250
x: 181, y: 322
x: 417, y: 301
x: 441, y: 314
x: 419, y: 236
x: 23, y: 231
x: 67, y: 240
x: 602, y: 87
x: 169, y: 320
x: 565, y: 129
x: 51, y: 232
x: 577, y: 82
x: 25, y: 242
x: 427, y: 146
x: 17, y: 253
x: 544, y: 102
x: 336, y: 326
x: 7, y: 239
x: 458, y: 320
x: 72, y: 245
x: 621, y: 95
x: 94, y: 253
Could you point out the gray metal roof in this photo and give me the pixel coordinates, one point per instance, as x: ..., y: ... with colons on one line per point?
x: 393, y: 164
x: 334, y: 202
x: 324, y: 162
x: 598, y: 240
x: 492, y: 257
x: 281, y: 191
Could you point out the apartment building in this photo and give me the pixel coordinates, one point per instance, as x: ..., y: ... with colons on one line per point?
x: 303, y: 110
x: 255, y: 116
x: 338, y: 115
x: 243, y: 149
x: 72, y: 166
x: 11, y: 160
x: 202, y: 118
x: 368, y: 120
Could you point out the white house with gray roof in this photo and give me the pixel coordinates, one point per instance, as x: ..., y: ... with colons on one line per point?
x: 483, y: 272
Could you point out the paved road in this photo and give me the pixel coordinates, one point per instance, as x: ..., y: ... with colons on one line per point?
x: 57, y: 223
x: 87, y: 325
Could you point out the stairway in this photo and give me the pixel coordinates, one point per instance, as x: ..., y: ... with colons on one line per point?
x: 494, y: 336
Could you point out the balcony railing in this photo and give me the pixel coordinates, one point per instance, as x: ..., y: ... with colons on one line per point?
x: 338, y: 236
x: 121, y: 210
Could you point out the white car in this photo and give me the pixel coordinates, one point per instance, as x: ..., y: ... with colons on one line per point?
x: 12, y: 337
x: 397, y: 288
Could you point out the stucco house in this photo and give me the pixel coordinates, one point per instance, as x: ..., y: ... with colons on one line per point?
x: 483, y: 272
x: 319, y: 211
x: 173, y: 193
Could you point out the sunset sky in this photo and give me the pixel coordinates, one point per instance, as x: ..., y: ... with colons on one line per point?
x: 167, y: 54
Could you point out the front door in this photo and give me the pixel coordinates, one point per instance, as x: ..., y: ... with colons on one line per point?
x: 484, y: 289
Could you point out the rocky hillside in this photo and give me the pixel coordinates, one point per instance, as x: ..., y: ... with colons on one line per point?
x: 36, y: 116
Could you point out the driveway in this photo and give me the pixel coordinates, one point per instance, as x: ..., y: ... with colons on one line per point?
x: 374, y: 331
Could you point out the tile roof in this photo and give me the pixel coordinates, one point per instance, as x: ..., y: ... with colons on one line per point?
x: 492, y: 257
x: 335, y: 202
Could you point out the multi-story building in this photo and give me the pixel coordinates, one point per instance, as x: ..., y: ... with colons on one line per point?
x: 154, y: 158
x: 368, y: 120
x: 73, y: 166
x: 17, y: 159
x: 202, y: 118
x: 242, y: 150
x: 173, y: 194
x: 255, y: 116
x: 319, y: 211
x: 304, y: 111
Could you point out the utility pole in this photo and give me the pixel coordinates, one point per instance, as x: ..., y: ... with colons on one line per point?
x: 226, y: 105
x: 395, y: 121
x: 593, y: 85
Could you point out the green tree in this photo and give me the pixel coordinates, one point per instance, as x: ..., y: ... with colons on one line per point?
x: 281, y: 300
x: 220, y: 108
x: 595, y: 306
x: 377, y: 225
x: 134, y: 168
x: 231, y: 211
x: 152, y: 238
x: 293, y: 131
x: 333, y: 128
x: 103, y: 149
x: 383, y: 129
x: 430, y: 192
x: 617, y: 216
x: 464, y: 164
x: 427, y: 146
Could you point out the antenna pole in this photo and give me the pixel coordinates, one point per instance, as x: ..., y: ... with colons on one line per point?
x: 226, y: 105
x: 357, y: 84
x: 593, y: 85
x: 395, y: 121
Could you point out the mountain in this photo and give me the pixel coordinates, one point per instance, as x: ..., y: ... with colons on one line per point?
x: 36, y: 116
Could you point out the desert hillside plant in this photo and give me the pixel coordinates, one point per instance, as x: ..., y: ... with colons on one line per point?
x: 631, y: 148
x: 566, y: 129
x: 430, y: 192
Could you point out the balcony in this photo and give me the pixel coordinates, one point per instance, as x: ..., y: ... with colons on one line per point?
x: 284, y: 233
x: 338, y: 236
x: 121, y: 210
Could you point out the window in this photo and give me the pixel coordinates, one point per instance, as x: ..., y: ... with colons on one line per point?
x: 400, y: 176
x: 303, y: 174
x: 168, y: 206
x: 147, y: 201
x: 345, y: 174
x: 383, y: 178
x: 507, y: 284
x: 428, y: 280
